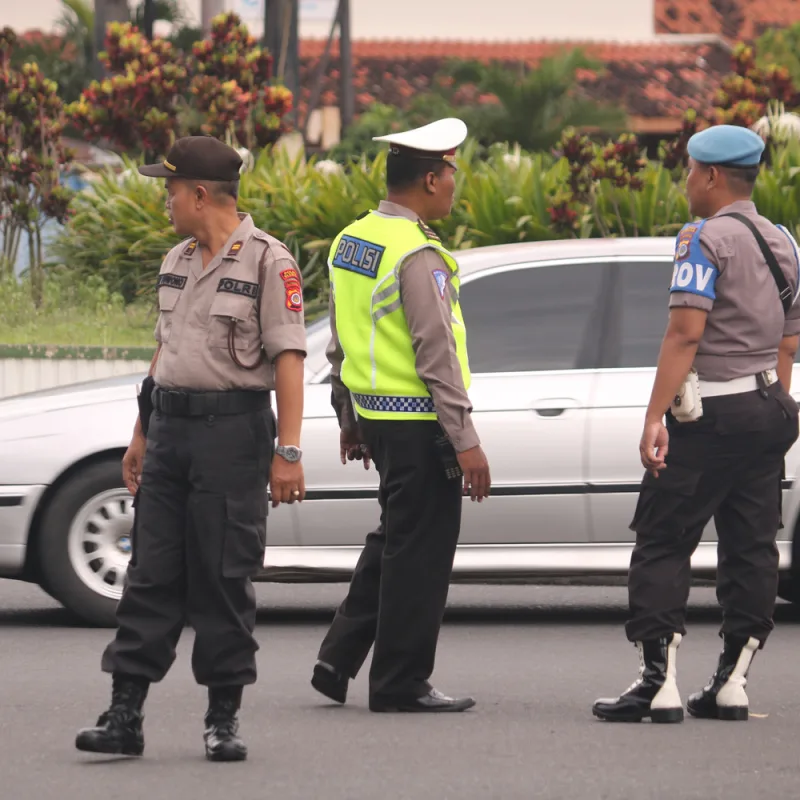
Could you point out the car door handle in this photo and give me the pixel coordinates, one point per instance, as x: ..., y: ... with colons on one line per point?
x: 553, y: 406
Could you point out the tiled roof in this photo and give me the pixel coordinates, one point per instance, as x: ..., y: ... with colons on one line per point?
x: 733, y: 19
x: 659, y: 81
x: 529, y: 52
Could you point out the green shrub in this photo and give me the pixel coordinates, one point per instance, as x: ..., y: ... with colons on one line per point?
x: 120, y: 231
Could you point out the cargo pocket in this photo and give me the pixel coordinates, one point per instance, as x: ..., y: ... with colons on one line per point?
x: 245, y: 535
x: 663, y: 501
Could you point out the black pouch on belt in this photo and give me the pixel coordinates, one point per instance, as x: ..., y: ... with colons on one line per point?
x: 448, y: 456
x: 145, y: 401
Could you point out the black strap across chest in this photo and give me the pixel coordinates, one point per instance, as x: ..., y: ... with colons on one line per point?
x: 784, y: 290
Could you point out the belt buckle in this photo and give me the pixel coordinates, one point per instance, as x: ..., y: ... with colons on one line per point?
x: 767, y: 375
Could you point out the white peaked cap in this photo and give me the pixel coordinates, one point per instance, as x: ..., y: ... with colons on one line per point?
x: 438, y: 138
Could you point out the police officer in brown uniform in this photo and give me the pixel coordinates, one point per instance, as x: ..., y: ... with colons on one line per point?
x: 230, y: 330
x: 399, y: 589
x: 723, y: 379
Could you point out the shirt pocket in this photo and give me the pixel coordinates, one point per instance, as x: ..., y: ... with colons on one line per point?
x: 167, y: 300
x: 226, y: 308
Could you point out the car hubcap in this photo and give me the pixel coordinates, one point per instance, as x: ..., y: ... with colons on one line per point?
x: 99, y: 544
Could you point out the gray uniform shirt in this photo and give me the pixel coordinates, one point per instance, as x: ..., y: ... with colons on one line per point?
x: 196, y: 306
x: 432, y: 337
x: 746, y: 321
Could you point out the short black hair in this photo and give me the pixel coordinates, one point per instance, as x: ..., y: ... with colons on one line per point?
x: 403, y: 172
x: 220, y: 189
x: 742, y: 177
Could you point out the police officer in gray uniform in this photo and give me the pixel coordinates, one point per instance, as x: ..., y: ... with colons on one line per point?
x: 723, y: 379
x: 230, y: 330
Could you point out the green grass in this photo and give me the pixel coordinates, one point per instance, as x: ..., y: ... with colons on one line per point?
x: 84, y: 315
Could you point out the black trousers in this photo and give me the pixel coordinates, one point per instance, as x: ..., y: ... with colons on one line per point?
x: 728, y: 465
x: 399, y: 589
x: 199, y: 537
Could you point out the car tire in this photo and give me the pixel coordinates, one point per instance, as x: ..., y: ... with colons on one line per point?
x: 89, y: 515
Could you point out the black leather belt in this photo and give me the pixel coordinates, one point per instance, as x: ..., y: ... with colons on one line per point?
x: 184, y: 403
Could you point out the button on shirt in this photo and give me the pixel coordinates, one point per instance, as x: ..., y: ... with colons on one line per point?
x: 432, y: 338
x: 196, y: 306
x: 746, y: 320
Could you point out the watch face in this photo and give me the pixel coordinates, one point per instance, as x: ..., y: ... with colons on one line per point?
x: 289, y: 453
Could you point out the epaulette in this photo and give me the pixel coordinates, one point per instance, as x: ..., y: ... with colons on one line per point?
x: 189, y: 248
x: 429, y: 232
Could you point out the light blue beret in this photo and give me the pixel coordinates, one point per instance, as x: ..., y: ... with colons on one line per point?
x: 726, y: 145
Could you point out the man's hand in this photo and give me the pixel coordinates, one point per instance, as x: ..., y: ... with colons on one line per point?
x: 352, y: 447
x: 132, y: 463
x: 477, y: 480
x: 287, y: 482
x: 654, y: 446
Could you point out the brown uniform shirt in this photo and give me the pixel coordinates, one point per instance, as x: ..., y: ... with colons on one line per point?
x: 197, y: 304
x: 746, y: 321
x: 432, y: 337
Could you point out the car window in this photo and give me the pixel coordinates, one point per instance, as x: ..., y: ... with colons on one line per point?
x: 534, y: 318
x: 643, y: 309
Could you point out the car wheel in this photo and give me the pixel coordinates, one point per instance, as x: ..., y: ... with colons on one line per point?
x: 85, y: 544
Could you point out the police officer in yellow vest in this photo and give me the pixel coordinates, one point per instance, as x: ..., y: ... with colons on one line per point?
x: 400, y: 376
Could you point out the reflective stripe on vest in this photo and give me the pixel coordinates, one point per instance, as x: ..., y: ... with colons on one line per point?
x: 379, y: 366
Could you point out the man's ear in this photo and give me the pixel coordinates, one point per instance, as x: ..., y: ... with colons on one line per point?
x: 430, y: 182
x: 713, y: 177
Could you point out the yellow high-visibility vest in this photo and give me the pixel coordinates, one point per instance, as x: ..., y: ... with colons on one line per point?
x: 379, y: 366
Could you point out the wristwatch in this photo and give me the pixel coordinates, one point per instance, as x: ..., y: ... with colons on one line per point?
x: 289, y: 452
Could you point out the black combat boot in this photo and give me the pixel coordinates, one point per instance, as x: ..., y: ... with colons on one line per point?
x: 724, y: 696
x: 118, y: 730
x: 222, y: 725
x: 654, y: 694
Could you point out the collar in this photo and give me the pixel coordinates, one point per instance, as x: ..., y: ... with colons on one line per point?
x: 396, y: 210
x: 742, y: 206
x: 234, y: 246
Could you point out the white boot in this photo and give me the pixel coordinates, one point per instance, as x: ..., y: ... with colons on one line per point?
x: 654, y: 693
x: 724, y: 696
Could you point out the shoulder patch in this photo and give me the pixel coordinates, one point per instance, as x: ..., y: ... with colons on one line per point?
x: 440, y: 276
x: 684, y: 241
x: 190, y: 248
x: 292, y: 289
x: 234, y: 286
x: 171, y: 281
x: 359, y: 256
x: 693, y: 273
x: 428, y: 231
x: 235, y: 248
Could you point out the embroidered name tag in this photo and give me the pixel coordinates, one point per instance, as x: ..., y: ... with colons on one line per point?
x: 358, y: 256
x: 171, y: 281
x: 233, y: 286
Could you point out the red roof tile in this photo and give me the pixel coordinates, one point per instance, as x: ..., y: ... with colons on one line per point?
x: 733, y: 19
x: 529, y: 52
x: 655, y: 80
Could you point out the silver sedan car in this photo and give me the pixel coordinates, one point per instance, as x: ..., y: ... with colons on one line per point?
x: 563, y: 341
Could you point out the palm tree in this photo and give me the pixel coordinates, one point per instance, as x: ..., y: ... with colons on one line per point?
x: 535, y: 106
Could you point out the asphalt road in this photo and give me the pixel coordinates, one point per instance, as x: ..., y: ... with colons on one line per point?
x: 534, y: 657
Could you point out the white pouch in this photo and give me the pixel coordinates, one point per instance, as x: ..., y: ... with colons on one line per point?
x: 687, y: 405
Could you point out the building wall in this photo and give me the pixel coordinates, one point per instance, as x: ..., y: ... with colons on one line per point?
x: 611, y: 20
